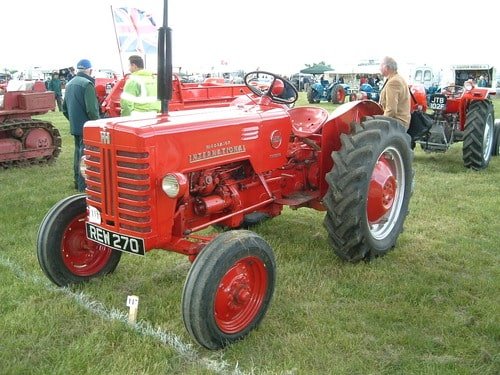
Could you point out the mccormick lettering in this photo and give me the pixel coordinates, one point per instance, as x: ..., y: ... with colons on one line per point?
x: 218, y: 144
x: 216, y: 153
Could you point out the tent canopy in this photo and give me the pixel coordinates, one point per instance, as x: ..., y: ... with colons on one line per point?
x: 316, y: 69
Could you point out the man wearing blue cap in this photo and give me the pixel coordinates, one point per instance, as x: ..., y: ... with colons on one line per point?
x: 79, y: 106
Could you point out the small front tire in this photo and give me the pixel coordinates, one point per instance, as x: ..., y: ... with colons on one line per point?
x: 228, y: 288
x: 64, y: 253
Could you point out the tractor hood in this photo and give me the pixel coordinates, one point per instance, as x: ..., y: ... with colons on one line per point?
x: 191, y: 139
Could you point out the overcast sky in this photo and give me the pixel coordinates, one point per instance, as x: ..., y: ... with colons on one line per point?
x: 276, y: 35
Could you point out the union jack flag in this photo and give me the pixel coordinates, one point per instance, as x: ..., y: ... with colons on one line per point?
x: 136, y: 30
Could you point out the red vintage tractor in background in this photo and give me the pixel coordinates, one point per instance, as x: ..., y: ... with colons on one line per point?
x: 184, y: 95
x: 460, y: 114
x: 23, y: 139
x: 154, y: 183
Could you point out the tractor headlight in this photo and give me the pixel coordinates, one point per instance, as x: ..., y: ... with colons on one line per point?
x: 83, y: 166
x: 174, y: 185
x: 468, y: 85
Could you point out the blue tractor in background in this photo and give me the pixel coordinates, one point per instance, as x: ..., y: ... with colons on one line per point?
x: 323, y: 90
x: 366, y: 91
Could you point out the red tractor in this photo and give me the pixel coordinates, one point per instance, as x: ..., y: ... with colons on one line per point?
x: 24, y: 140
x: 154, y: 183
x: 460, y: 114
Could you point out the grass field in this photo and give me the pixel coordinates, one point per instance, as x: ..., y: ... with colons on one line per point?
x: 431, y: 306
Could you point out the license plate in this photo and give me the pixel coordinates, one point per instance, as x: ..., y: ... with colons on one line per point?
x: 116, y: 241
x: 437, y: 102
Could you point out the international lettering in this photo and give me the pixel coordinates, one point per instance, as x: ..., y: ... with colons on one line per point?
x: 216, y: 153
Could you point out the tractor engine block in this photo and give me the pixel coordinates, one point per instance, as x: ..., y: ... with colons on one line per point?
x: 217, y: 189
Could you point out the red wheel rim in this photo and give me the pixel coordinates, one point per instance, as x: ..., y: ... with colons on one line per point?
x: 81, y: 256
x: 385, y: 193
x: 240, y: 295
x: 382, y: 190
x: 341, y: 96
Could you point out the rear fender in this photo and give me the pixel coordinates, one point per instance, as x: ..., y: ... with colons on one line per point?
x: 418, y: 98
x: 339, y: 122
x: 478, y: 93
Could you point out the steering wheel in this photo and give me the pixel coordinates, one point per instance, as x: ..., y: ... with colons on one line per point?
x: 453, y: 92
x: 278, y: 89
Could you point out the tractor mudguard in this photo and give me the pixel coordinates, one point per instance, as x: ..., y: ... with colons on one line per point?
x: 355, y: 111
x: 338, y: 123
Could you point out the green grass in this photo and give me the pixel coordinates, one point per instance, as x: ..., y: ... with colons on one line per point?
x: 429, y: 307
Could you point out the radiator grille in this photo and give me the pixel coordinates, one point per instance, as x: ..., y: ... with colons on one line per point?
x: 119, y: 185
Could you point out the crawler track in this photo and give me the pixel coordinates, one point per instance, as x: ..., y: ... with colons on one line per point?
x: 40, y: 142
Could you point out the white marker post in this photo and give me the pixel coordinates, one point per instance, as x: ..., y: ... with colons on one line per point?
x: 133, y: 304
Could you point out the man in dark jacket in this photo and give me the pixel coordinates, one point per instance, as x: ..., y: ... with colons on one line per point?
x: 56, y: 86
x: 79, y: 106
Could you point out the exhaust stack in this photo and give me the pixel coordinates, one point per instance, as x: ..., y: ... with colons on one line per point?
x: 164, y: 90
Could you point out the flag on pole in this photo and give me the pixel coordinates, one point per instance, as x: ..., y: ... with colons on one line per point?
x: 136, y: 30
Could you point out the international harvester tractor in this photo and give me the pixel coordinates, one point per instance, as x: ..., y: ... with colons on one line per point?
x: 154, y: 183
x: 459, y: 114
x: 23, y: 139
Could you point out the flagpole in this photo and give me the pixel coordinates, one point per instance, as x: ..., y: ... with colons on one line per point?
x: 117, y: 40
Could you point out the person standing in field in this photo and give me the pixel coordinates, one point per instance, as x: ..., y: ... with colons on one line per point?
x: 79, y: 106
x: 55, y: 85
x: 140, y: 91
x: 395, y: 95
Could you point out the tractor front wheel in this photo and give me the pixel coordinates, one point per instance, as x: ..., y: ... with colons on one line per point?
x: 478, y: 135
x: 369, y: 190
x: 64, y: 253
x: 228, y: 288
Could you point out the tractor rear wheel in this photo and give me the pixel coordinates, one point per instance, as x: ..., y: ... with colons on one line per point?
x: 65, y: 254
x: 495, y: 151
x: 370, y: 185
x: 338, y: 94
x: 228, y: 288
x: 478, y: 135
x: 312, y: 95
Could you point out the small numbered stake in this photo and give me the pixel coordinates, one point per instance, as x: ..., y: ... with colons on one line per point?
x: 133, y: 305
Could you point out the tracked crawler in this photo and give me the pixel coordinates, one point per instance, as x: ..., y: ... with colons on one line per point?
x: 23, y: 139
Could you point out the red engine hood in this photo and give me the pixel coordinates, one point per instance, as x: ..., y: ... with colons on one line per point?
x: 193, y: 139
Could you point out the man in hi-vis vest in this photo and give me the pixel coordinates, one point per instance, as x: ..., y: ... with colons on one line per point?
x: 139, y: 93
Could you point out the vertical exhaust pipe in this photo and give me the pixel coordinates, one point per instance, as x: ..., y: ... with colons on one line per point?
x: 164, y: 90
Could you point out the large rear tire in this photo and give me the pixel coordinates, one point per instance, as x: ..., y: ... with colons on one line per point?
x: 370, y: 185
x: 312, y: 95
x: 64, y: 253
x: 478, y: 135
x: 338, y: 94
x: 228, y: 288
x: 495, y: 151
